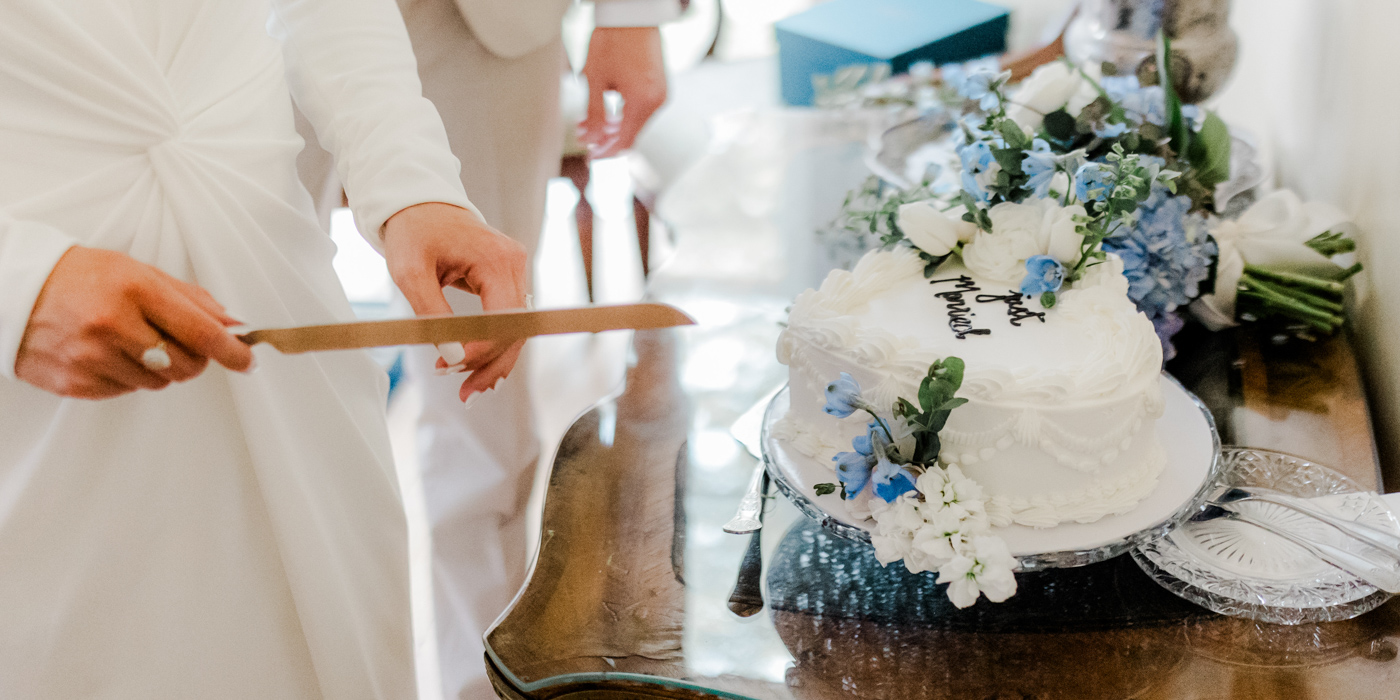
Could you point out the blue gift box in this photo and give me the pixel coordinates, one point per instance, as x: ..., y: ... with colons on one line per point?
x: 842, y: 33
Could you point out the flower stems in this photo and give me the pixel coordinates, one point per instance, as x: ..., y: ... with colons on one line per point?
x: 1313, y: 301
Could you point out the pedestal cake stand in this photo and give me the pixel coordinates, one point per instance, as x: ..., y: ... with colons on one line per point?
x: 1186, y: 429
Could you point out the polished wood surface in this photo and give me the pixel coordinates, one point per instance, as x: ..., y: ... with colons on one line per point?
x: 615, y: 605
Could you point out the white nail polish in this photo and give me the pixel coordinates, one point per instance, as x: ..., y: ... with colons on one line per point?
x: 454, y: 369
x: 452, y: 353
x: 252, y: 366
x: 470, y: 400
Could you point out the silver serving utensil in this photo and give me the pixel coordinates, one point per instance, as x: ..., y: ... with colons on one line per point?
x: 1384, y: 578
x: 1387, y: 542
x: 749, y: 517
x: 747, y: 597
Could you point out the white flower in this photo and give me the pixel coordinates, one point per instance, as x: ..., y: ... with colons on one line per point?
x: 983, y: 567
x: 1052, y: 86
x: 894, y: 537
x: 1108, y: 273
x: 931, y: 230
x: 1273, y: 233
x: 1019, y: 231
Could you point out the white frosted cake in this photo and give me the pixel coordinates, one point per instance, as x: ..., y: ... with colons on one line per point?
x: 1062, y: 402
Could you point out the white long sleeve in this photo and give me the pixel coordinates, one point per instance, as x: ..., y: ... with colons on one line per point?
x: 28, y: 252
x: 634, y: 13
x: 352, y: 72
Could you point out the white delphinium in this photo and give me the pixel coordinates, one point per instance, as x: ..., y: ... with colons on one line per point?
x: 983, y: 567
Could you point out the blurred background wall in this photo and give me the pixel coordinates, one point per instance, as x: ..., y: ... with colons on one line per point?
x: 1319, y: 82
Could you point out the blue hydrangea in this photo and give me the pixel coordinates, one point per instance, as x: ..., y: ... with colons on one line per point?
x: 1039, y: 165
x: 1166, y: 256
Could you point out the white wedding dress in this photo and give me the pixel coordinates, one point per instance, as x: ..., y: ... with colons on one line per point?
x: 237, y: 536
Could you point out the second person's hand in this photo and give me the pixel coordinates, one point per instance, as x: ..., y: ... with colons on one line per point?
x: 627, y: 60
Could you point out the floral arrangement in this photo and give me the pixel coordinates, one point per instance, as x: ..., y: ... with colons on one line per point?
x: 933, y: 518
x: 1073, y: 169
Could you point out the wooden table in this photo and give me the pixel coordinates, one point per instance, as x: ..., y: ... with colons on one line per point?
x: 627, y: 598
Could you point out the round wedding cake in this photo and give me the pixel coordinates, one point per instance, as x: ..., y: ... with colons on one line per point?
x: 1059, y: 424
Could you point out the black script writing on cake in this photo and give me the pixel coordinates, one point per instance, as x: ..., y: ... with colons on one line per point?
x: 1015, y: 306
x: 959, y: 313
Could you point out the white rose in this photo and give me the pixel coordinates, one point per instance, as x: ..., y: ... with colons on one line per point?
x: 1108, y: 273
x: 931, y: 230
x: 1019, y: 231
x: 1052, y: 86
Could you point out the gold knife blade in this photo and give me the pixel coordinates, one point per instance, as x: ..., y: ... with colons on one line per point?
x: 501, y: 325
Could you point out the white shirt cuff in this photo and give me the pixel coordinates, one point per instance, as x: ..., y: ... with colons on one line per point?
x: 28, y: 252
x: 634, y: 13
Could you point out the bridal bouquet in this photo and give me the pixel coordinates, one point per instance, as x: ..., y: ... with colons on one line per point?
x: 1074, y: 173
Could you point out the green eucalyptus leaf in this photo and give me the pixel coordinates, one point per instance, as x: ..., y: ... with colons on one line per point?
x: 1015, y: 138
x: 824, y: 489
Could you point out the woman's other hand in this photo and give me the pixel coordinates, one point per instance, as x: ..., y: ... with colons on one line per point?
x: 101, y: 311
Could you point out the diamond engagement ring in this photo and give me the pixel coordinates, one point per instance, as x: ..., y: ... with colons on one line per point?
x: 156, y: 358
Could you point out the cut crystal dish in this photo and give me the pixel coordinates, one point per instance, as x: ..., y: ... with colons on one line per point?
x: 1237, y: 569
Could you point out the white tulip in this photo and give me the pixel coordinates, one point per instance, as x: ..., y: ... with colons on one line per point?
x: 931, y: 230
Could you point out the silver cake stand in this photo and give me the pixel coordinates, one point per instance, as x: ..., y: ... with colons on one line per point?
x: 1193, y: 463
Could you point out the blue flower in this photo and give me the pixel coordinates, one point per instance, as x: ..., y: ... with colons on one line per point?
x: 976, y: 157
x: 863, y: 444
x: 1166, y: 256
x: 853, y: 471
x: 977, y: 160
x: 956, y: 74
x: 973, y: 80
x: 1039, y: 165
x: 891, y: 480
x: 1093, y: 182
x: 1043, y: 274
x: 1110, y: 130
x: 1118, y: 86
x: 843, y: 397
x: 1143, y: 104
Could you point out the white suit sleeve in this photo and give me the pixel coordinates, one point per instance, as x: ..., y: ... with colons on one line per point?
x: 353, y: 74
x: 28, y: 252
x: 634, y: 13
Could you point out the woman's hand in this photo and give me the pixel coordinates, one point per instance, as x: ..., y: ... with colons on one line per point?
x: 627, y: 60
x: 100, y: 311
x: 430, y: 246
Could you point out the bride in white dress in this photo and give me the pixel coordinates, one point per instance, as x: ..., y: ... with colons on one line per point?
x: 234, y: 534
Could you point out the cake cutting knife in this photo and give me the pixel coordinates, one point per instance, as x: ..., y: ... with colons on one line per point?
x: 495, y: 325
